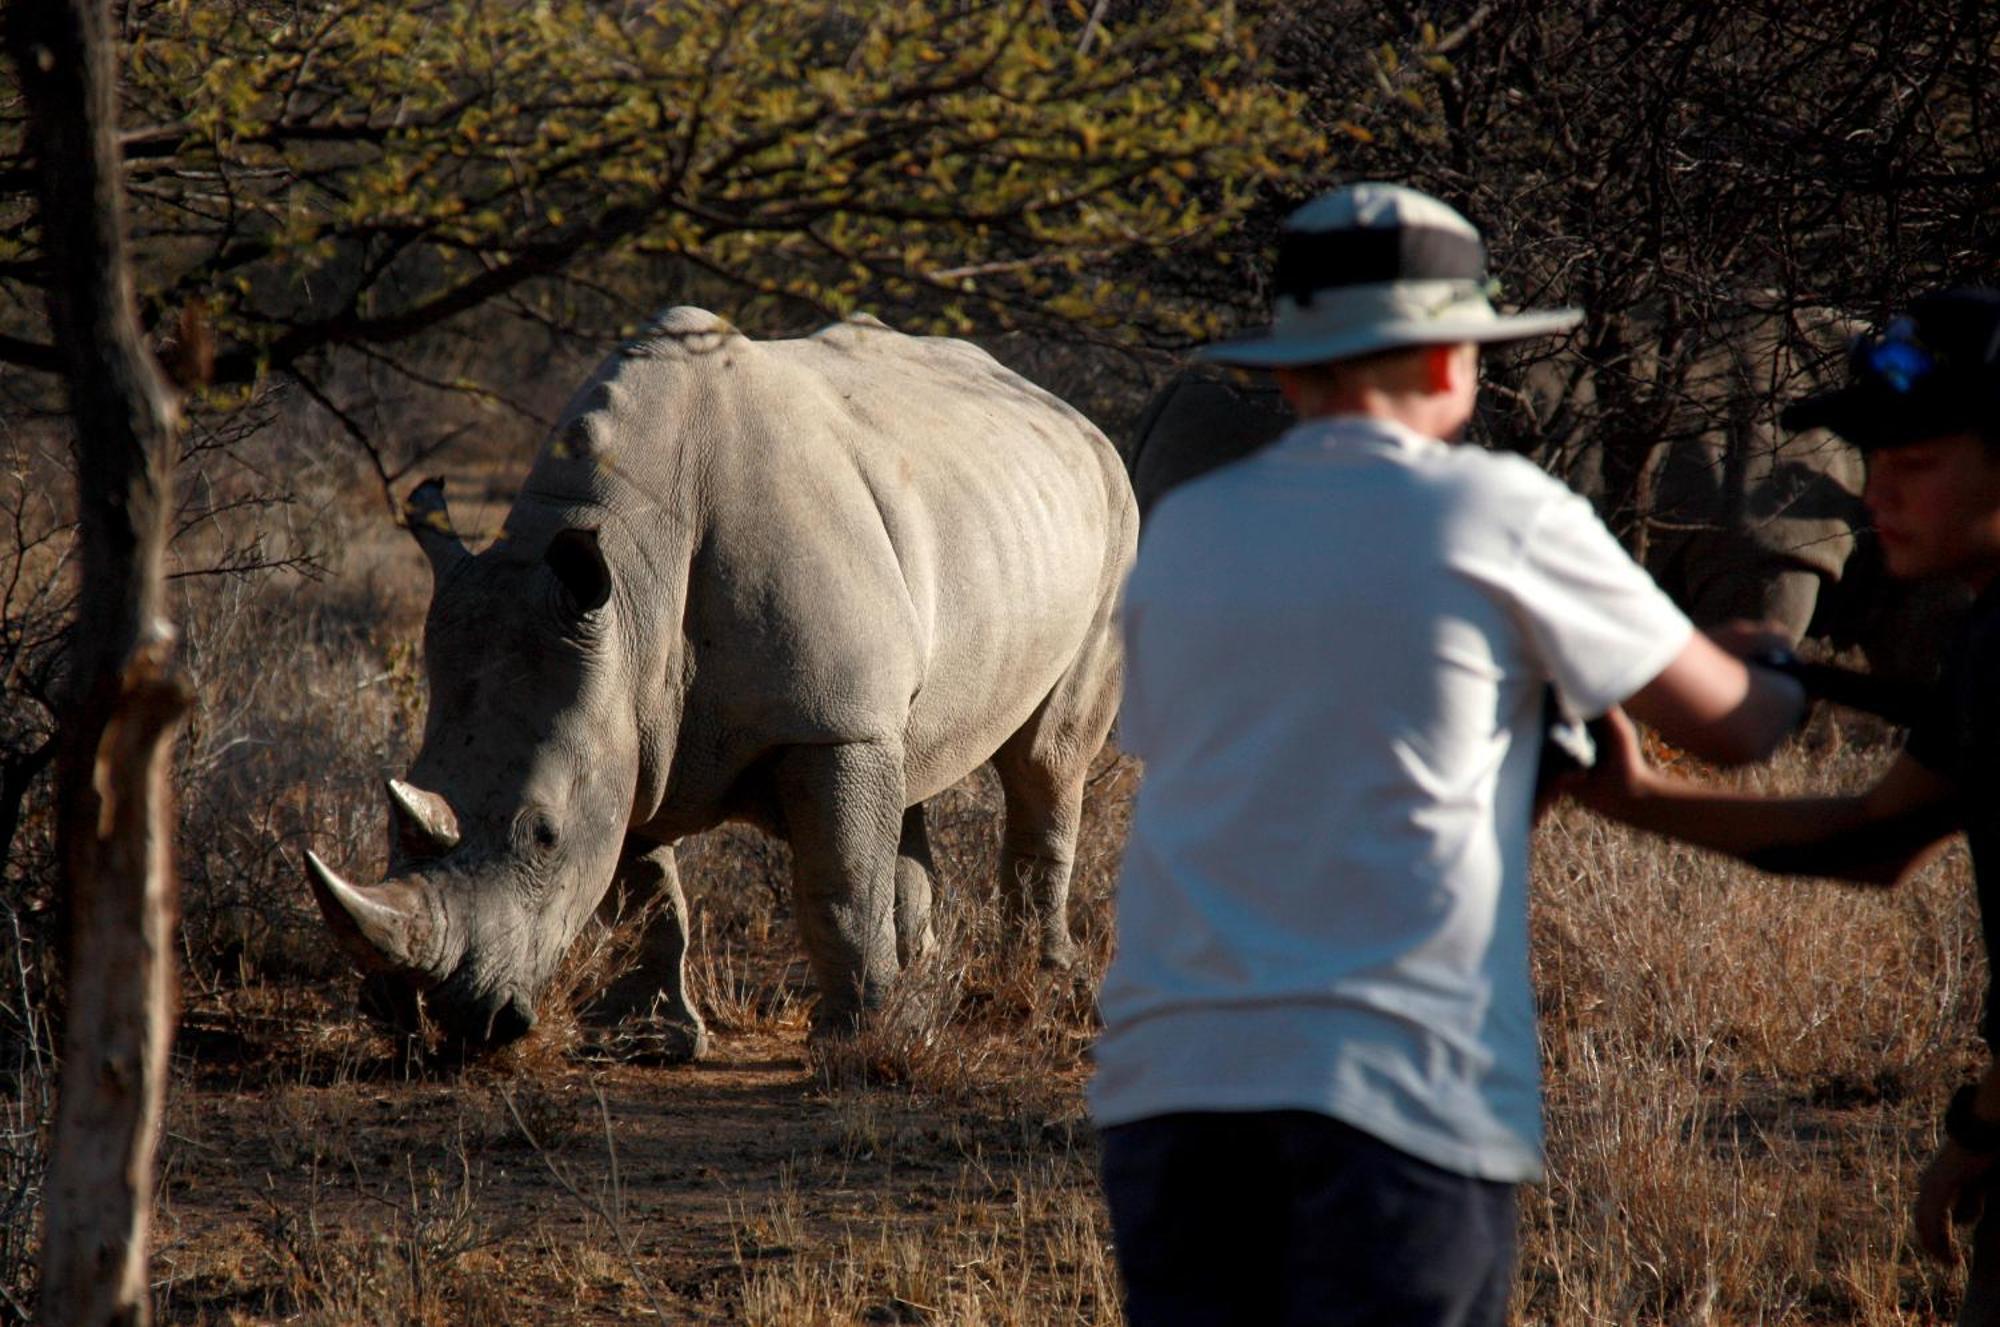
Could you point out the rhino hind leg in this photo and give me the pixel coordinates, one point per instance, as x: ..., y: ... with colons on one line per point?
x: 655, y: 987
x: 1042, y: 770
x: 916, y: 878
x: 1037, y: 852
x: 842, y: 810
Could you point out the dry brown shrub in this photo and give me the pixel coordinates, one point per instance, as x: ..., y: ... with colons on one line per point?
x: 417, y: 1265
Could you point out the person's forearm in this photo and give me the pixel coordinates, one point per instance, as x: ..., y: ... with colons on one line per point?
x: 1715, y: 705
x: 1734, y: 823
x: 1773, y: 706
x: 1820, y: 836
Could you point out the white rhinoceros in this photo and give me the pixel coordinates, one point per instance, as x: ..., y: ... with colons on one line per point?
x: 804, y: 584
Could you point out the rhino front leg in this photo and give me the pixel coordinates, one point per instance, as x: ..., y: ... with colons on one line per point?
x: 655, y: 986
x: 842, y: 807
x: 916, y: 877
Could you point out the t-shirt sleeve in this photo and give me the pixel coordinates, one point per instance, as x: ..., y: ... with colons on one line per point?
x: 1595, y: 620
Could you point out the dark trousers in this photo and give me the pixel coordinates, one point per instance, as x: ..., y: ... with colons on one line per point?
x: 1289, y: 1217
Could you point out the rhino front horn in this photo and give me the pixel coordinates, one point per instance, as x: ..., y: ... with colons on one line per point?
x: 422, y: 824
x: 384, y: 928
x: 429, y: 520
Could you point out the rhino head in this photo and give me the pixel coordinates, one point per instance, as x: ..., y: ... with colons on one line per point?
x: 508, y: 830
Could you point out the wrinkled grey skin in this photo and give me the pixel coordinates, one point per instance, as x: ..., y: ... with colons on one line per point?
x: 1745, y: 520
x: 802, y: 584
x: 1738, y: 517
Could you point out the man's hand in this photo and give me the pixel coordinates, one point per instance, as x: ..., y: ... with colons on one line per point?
x: 1620, y: 776
x: 1953, y: 1188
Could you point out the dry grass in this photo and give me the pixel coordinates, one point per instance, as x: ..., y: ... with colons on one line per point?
x: 1744, y: 1076
x: 1025, y: 1250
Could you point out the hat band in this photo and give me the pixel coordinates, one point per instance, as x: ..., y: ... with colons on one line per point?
x: 1312, y: 261
x: 1402, y: 303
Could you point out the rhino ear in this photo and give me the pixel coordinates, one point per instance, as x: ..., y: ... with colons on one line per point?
x: 424, y: 511
x: 580, y: 568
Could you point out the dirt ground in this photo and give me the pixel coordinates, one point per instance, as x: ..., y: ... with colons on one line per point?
x: 309, y: 1175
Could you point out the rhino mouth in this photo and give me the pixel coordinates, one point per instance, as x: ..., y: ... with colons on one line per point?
x: 422, y: 976
x: 476, y: 1015
x: 416, y: 981
x: 449, y: 1018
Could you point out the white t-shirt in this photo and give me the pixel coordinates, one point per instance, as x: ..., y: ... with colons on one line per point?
x: 1337, y: 654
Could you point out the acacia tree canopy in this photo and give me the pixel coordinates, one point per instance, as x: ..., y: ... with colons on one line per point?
x: 1675, y: 153
x: 311, y: 175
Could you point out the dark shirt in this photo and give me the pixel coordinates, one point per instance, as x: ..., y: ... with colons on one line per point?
x: 1960, y: 740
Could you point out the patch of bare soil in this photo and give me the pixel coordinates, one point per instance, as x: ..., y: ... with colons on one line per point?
x: 314, y: 1179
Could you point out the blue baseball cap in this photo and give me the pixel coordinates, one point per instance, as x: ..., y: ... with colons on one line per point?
x: 1928, y: 373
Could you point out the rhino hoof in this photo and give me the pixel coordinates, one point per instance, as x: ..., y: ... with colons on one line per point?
x: 1059, y: 957
x: 834, y: 1026
x: 650, y: 1041
x: 676, y: 1043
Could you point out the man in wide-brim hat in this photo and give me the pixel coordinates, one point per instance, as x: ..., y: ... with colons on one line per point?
x: 1922, y: 403
x: 1317, y: 1081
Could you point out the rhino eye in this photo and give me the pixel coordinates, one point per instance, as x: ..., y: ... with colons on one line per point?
x: 539, y: 829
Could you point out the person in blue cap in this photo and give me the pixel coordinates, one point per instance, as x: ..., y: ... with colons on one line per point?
x: 1922, y: 402
x: 1316, y: 1086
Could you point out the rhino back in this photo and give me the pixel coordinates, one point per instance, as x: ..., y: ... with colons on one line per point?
x: 884, y: 537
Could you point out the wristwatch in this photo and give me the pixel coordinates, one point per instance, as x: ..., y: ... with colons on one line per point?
x: 1897, y: 702
x: 1963, y: 1125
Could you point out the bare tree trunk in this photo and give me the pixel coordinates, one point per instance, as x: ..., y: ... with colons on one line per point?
x: 114, y: 821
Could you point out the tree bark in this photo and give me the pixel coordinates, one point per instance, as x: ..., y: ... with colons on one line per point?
x: 125, y: 697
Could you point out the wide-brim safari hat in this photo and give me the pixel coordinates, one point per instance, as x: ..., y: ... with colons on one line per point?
x: 1930, y: 373
x: 1377, y: 267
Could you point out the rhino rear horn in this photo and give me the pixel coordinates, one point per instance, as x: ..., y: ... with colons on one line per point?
x: 421, y: 823
x: 429, y: 519
x: 384, y: 928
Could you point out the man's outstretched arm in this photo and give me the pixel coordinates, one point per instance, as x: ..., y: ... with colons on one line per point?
x: 1710, y: 702
x: 1875, y: 837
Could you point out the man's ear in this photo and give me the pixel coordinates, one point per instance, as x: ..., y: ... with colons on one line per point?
x: 1291, y: 386
x: 1446, y: 367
